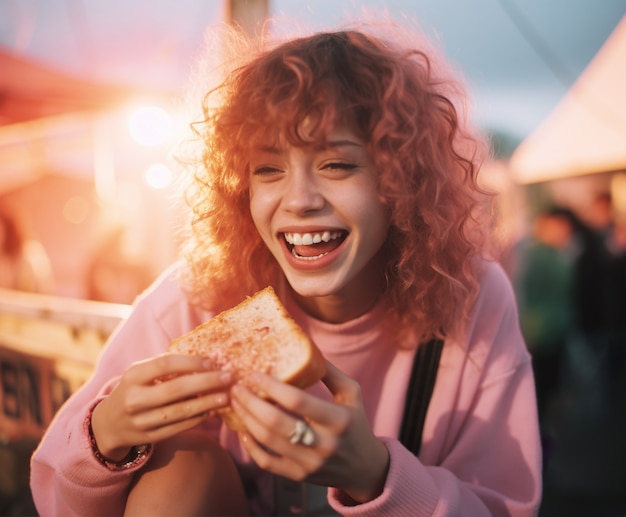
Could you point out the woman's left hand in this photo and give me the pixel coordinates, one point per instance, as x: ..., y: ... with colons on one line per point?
x: 344, y: 454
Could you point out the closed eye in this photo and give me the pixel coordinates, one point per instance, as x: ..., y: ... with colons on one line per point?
x: 340, y: 166
x: 266, y: 170
x: 338, y: 170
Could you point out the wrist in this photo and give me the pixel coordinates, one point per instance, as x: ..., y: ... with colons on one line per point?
x: 375, y: 482
x: 120, y: 458
x: 101, y: 437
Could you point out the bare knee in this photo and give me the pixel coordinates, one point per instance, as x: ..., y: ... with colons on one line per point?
x: 189, y: 474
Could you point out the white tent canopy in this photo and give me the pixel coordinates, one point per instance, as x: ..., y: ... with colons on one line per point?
x: 586, y: 132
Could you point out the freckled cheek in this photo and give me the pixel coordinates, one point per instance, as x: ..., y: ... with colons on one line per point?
x: 376, y: 221
x: 261, y: 213
x: 263, y: 199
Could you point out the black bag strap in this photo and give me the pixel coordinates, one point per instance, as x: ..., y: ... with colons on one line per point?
x: 420, y: 389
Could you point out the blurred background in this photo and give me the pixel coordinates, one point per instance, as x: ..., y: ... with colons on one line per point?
x: 90, y: 112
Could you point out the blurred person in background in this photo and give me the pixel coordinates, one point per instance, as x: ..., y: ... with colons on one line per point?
x: 600, y: 290
x: 617, y: 349
x: 544, y: 288
x: 594, y: 282
x: 24, y: 262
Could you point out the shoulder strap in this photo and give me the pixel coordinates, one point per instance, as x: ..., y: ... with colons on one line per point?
x: 418, y: 395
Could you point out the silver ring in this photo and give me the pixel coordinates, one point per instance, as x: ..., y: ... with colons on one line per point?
x: 302, y: 433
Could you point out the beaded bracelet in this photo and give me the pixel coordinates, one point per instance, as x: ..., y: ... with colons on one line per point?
x: 136, y: 455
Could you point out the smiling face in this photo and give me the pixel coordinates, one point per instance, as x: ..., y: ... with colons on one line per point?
x: 319, y: 212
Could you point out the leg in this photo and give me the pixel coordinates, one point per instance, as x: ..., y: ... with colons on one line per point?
x: 188, y: 474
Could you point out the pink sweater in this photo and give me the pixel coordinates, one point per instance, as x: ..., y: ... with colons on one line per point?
x: 480, y: 454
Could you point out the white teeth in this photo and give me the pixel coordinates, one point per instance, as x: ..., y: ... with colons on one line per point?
x: 306, y: 239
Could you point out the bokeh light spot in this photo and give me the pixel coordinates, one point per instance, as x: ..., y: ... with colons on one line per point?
x: 158, y: 176
x: 76, y: 209
x: 150, y: 126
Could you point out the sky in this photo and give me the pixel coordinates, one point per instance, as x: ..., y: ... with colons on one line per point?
x: 519, y: 57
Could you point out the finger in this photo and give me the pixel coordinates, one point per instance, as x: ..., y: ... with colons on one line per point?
x: 164, y: 366
x: 272, y: 428
x: 190, y: 385
x: 266, y: 421
x: 290, y: 397
x: 167, y: 431
x: 296, y: 400
x: 193, y: 408
x: 270, y: 462
x: 181, y: 388
x: 345, y: 390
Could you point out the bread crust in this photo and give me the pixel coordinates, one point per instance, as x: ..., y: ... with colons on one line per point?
x: 256, y: 335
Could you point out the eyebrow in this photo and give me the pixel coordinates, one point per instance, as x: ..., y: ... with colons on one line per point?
x: 342, y: 143
x: 330, y: 144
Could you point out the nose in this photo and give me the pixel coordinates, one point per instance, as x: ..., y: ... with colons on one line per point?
x: 302, y: 192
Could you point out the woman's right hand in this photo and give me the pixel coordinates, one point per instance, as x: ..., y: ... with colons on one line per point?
x: 156, y: 399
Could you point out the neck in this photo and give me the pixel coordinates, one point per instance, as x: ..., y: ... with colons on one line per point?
x: 336, y: 308
x: 346, y: 305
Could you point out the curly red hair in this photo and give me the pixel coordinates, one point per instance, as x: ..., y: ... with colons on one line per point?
x: 401, y: 102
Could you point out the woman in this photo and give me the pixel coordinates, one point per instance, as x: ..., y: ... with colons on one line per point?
x: 339, y: 169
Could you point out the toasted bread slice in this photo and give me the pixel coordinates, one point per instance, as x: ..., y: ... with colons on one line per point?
x: 256, y: 335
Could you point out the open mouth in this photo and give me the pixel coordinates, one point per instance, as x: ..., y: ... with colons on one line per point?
x: 311, y: 246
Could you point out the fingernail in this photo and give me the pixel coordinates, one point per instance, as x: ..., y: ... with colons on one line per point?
x: 226, y: 377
